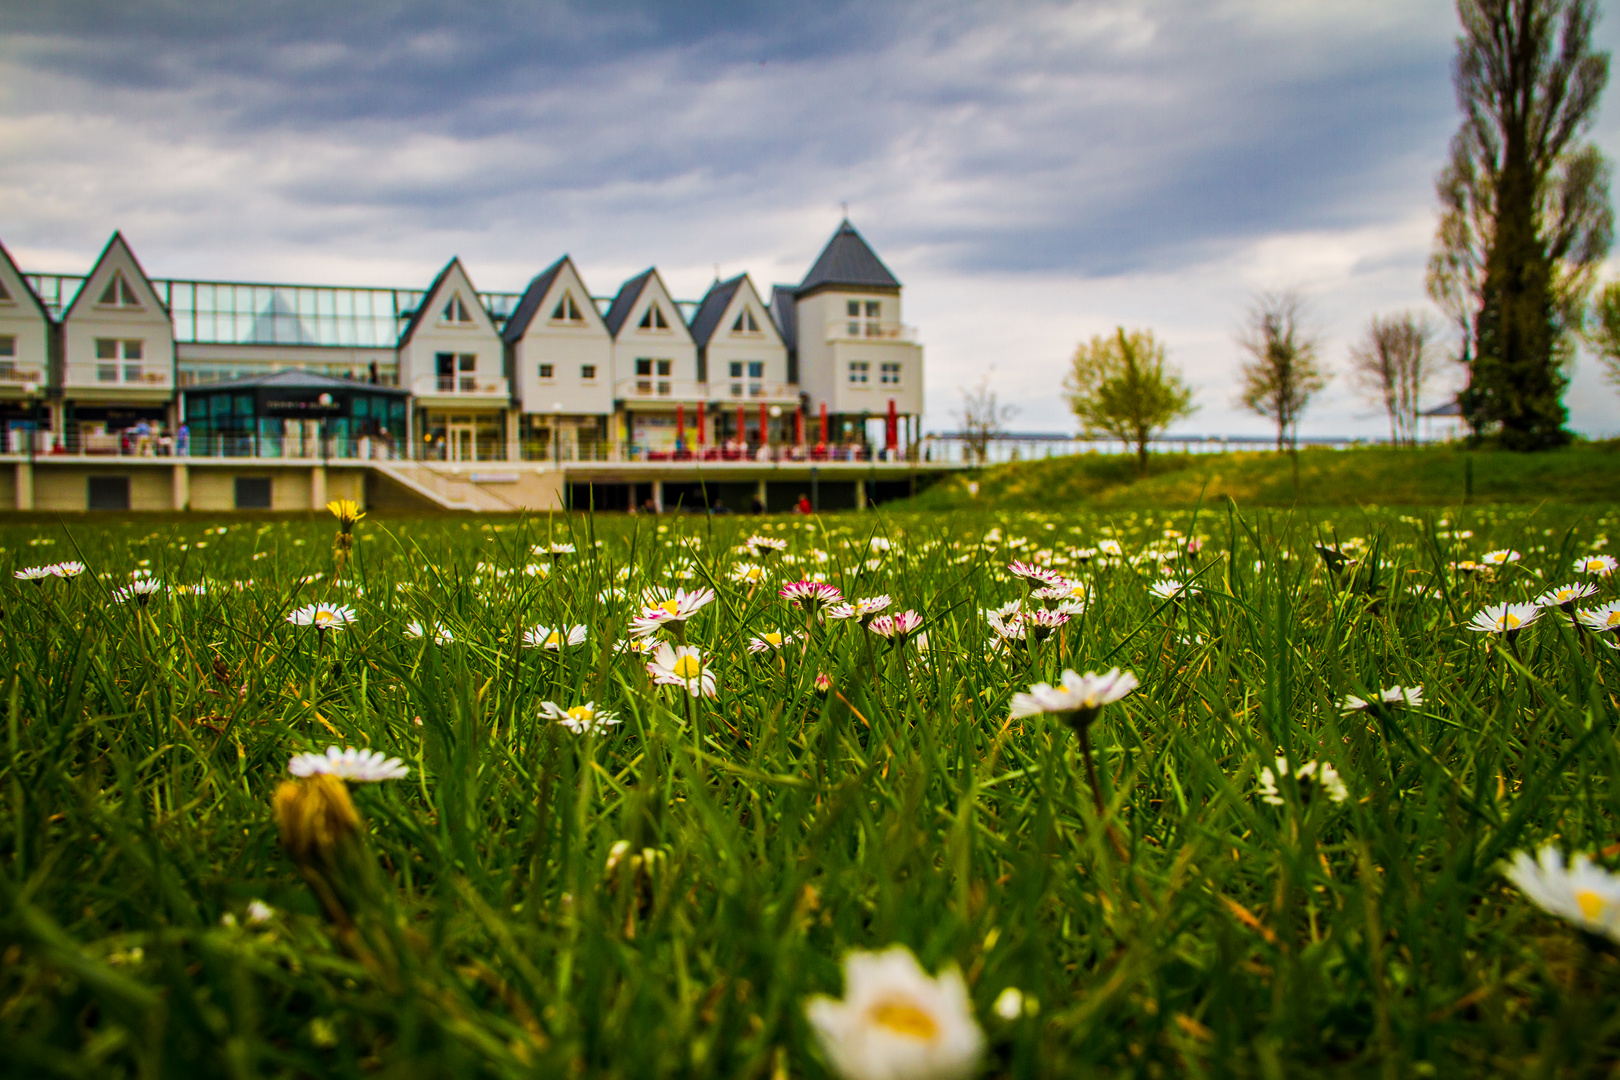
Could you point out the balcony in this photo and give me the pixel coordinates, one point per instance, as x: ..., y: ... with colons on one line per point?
x: 18, y: 378
x: 660, y: 388
x: 870, y: 330
x: 468, y: 386
x: 751, y: 391
x: 118, y: 376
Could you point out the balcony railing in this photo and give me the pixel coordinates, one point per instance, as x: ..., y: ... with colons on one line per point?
x: 870, y: 330
x: 661, y: 388
x: 117, y: 373
x: 717, y: 391
x: 467, y: 384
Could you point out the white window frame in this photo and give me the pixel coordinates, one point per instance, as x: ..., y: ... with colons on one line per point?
x: 860, y: 372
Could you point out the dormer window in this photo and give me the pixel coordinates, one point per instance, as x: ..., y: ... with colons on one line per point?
x: 5, y: 297
x: 567, y: 310
x: 745, y: 323
x: 118, y: 294
x: 456, y: 311
x: 654, y: 319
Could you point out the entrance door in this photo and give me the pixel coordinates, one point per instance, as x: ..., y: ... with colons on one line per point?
x: 460, y: 434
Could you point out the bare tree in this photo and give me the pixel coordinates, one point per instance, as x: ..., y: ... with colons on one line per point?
x: 1282, y: 372
x: 1604, y: 334
x: 1390, y: 366
x: 982, y: 417
x: 1123, y: 385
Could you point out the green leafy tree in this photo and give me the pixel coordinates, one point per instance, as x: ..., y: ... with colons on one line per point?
x: 1604, y: 336
x: 1122, y: 385
x: 1283, y: 371
x: 1525, y: 215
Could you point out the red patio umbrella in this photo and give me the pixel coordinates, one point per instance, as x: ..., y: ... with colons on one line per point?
x: 742, y: 426
x: 823, y: 423
x: 702, y: 435
x: 892, y: 428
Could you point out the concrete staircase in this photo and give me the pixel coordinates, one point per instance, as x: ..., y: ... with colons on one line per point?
x: 446, y: 489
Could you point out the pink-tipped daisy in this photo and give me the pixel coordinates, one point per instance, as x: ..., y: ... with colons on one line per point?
x: 896, y: 627
x: 665, y: 607
x: 1036, y: 575
x: 810, y: 595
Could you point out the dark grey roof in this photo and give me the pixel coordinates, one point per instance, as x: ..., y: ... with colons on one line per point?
x: 626, y: 299
x: 297, y: 379
x: 846, y: 260
x: 713, y: 307
x: 1450, y: 408
x: 536, y: 292
x: 27, y: 288
x: 427, y: 298
x: 785, y: 312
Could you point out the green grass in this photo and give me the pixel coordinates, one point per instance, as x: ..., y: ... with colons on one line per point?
x: 1428, y: 476
x: 782, y: 828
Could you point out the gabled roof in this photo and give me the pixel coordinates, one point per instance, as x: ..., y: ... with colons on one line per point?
x: 427, y: 300
x: 785, y: 313
x: 27, y: 289
x: 713, y: 308
x: 848, y: 261
x: 521, y: 316
x: 297, y: 379
x: 117, y: 240
x: 626, y: 299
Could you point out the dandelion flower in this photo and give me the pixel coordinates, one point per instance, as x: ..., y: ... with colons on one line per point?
x: 1409, y: 697
x: 1584, y: 894
x: 664, y: 607
x: 1077, y: 698
x: 1602, y: 565
x: 584, y: 719
x: 322, y: 617
x: 681, y: 666
x: 1504, y: 618
x: 347, y: 512
x: 544, y: 637
x: 1312, y: 775
x: 896, y: 1023
x: 360, y: 766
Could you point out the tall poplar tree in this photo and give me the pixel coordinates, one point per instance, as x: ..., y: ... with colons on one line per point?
x: 1525, y: 209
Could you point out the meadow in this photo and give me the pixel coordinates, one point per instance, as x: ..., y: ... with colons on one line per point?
x: 656, y: 884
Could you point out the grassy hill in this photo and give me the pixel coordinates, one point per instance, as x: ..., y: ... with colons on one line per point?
x: 1587, y: 473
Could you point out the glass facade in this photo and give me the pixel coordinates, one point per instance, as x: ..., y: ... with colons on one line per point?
x: 233, y: 313
x: 247, y: 421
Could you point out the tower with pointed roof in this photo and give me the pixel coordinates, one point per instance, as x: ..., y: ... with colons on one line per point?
x: 854, y: 353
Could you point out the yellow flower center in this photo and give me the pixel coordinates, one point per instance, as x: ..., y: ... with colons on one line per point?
x: 1509, y: 622
x: 1614, y: 618
x: 582, y: 713
x: 773, y: 638
x: 905, y: 1019
x: 753, y: 573
x: 1564, y: 594
x: 671, y: 606
x: 554, y: 640
x: 1078, y: 592
x: 688, y: 667
x: 1591, y: 903
x: 324, y: 617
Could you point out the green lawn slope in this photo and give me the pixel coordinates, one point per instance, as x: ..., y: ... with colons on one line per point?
x: 1586, y: 473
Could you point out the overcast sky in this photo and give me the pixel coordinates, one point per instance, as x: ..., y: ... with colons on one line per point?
x: 1034, y: 173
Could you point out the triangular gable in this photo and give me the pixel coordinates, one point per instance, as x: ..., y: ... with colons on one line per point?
x: 118, y: 270
x: 726, y: 303
x: 556, y: 284
x: 17, y: 292
x: 635, y: 297
x: 452, y: 289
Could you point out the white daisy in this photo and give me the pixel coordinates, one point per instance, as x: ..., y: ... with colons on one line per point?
x: 1585, y: 894
x: 810, y: 595
x: 1312, y: 775
x: 360, y: 766
x: 1499, y: 558
x: 1036, y: 575
x: 584, y: 719
x: 1171, y: 589
x: 66, y: 569
x: 763, y: 547
x: 681, y: 666
x: 1602, y: 565
x: 862, y: 609
x: 1078, y: 696
x: 1565, y: 596
x: 36, y: 574
x: 544, y: 637
x: 140, y: 590
x: 1504, y: 618
x: 771, y: 640
x: 1408, y: 697
x: 1605, y: 619
x: 748, y: 573
x: 896, y: 627
x: 322, y: 617
x: 896, y: 1023
x: 441, y: 636
x: 665, y: 607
